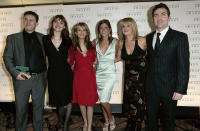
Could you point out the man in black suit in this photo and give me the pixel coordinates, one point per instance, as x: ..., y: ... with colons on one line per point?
x: 25, y: 50
x: 168, y: 69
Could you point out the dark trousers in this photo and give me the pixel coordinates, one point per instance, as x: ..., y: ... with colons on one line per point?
x: 35, y: 86
x: 168, y: 110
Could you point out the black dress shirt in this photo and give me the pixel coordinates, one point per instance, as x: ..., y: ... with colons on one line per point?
x: 33, y: 53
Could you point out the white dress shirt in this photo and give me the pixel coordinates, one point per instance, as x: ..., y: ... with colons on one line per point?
x: 162, y: 35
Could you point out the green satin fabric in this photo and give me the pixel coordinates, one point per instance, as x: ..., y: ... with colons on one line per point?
x: 105, y: 72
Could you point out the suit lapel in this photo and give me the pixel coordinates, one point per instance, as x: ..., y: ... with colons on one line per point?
x: 150, y: 41
x: 39, y: 38
x: 20, y: 42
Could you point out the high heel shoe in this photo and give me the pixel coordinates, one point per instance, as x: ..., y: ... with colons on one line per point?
x: 84, y: 128
x: 106, y: 125
x: 112, y: 124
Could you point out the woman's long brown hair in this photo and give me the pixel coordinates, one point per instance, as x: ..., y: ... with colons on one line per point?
x: 75, y: 39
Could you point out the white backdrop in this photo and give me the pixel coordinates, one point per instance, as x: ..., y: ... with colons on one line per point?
x: 185, y: 17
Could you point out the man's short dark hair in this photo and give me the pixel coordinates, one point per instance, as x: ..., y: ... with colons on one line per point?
x: 161, y: 5
x: 32, y: 13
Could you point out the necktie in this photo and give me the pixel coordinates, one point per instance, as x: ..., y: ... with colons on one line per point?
x: 157, y: 42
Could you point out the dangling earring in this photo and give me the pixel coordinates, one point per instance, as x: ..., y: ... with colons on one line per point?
x: 99, y: 36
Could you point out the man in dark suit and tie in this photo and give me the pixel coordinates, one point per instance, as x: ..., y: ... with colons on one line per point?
x: 167, y: 71
x: 25, y: 49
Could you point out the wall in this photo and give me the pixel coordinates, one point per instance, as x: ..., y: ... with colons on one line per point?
x: 185, y: 17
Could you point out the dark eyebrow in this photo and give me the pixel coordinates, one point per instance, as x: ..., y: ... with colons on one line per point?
x: 164, y: 13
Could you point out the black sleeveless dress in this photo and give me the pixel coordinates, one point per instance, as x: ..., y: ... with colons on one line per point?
x: 135, y: 66
x: 59, y: 75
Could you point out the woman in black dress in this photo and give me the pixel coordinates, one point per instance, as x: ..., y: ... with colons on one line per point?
x: 132, y: 50
x: 60, y: 75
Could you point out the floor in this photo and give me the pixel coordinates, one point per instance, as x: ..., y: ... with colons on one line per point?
x: 7, y: 121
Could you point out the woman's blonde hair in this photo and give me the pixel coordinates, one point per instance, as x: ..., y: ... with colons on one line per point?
x: 75, y: 39
x: 127, y: 20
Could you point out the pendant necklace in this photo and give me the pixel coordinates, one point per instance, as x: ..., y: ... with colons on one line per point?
x: 57, y: 43
x: 84, y: 53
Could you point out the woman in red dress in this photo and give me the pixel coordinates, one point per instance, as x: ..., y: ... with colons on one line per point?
x: 82, y: 59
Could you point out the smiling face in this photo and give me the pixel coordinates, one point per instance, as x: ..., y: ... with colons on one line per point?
x: 58, y: 25
x: 81, y: 32
x: 161, y: 18
x: 30, y: 23
x: 127, y: 29
x: 104, y: 30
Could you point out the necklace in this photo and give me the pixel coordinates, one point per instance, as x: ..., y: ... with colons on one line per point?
x: 84, y: 51
x: 84, y: 54
x: 56, y: 43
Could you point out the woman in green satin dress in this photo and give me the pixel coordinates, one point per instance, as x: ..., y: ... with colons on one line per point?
x: 105, y: 71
